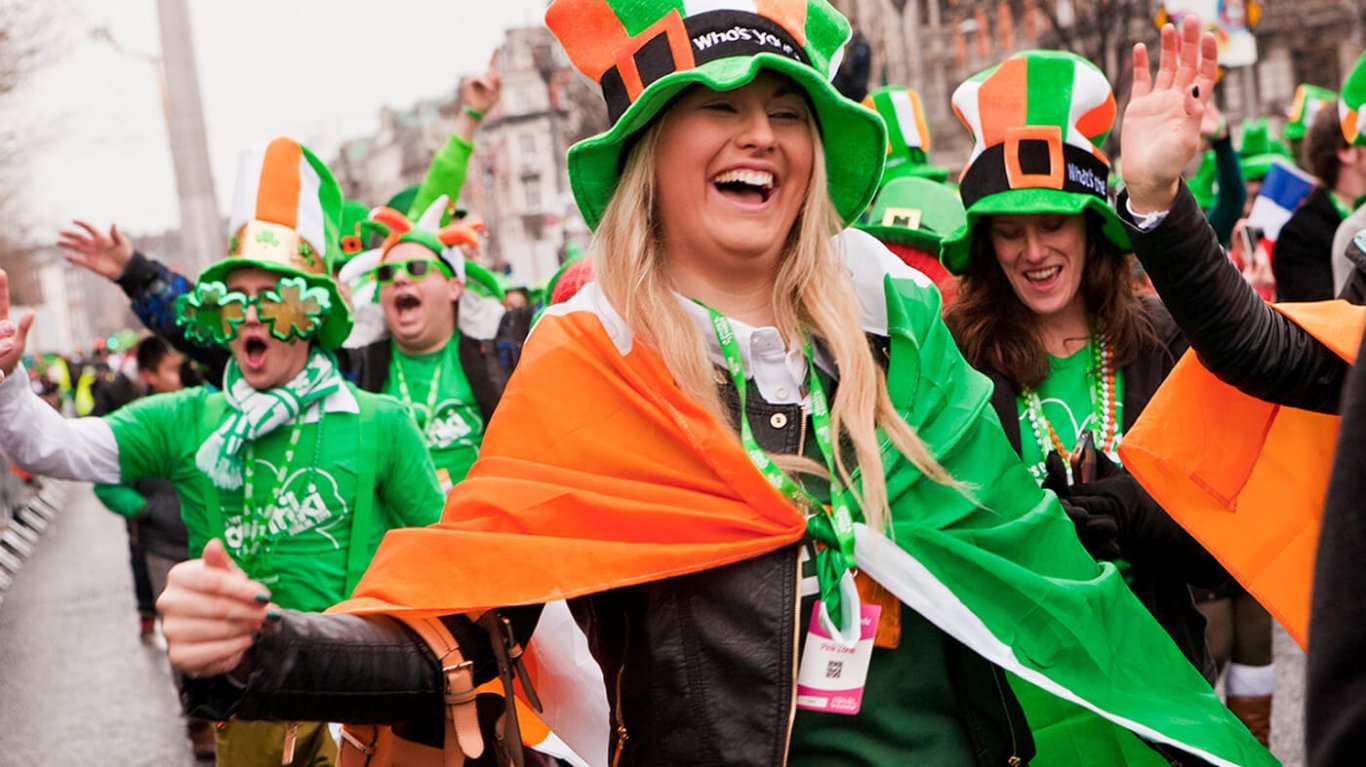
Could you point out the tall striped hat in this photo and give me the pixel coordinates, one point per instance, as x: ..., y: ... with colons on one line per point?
x: 1037, y: 120
x: 644, y: 52
x: 286, y: 214
x: 908, y: 133
x: 1309, y: 99
x: 1349, y: 103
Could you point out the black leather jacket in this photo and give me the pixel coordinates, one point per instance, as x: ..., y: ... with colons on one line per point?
x: 1238, y: 337
x: 699, y: 669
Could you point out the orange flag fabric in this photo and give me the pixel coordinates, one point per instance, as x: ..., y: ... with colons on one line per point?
x: 584, y: 424
x: 1245, y: 477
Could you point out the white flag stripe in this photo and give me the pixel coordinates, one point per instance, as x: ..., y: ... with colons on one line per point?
x: 913, y: 584
x: 248, y: 184
x: 309, y: 217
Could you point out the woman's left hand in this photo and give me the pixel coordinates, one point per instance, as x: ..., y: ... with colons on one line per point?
x: 1160, y: 132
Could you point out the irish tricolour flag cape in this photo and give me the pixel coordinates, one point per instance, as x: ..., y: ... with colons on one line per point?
x: 598, y: 473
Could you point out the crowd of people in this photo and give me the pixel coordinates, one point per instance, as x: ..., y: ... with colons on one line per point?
x: 825, y: 455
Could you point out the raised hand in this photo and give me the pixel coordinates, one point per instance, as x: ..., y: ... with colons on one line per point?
x: 13, y: 336
x: 481, y: 93
x: 209, y: 613
x: 1160, y: 131
x: 89, y: 248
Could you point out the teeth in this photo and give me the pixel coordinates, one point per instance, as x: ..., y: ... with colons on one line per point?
x: 759, y: 178
x: 1043, y: 274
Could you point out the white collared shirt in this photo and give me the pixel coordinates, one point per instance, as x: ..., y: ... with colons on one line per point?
x: 779, y: 372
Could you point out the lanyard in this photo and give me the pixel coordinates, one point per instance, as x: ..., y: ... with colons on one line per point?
x: 832, y: 562
x: 257, y: 538
x: 431, y: 392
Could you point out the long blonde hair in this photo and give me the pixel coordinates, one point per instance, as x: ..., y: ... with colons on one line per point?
x: 812, y: 293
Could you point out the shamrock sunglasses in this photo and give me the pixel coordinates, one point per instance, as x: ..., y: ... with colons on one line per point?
x: 211, y: 313
x: 417, y: 269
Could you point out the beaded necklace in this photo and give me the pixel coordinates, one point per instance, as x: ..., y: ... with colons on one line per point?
x: 257, y: 539
x: 1102, y: 402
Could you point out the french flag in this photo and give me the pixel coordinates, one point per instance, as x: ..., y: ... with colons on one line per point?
x: 1282, y: 190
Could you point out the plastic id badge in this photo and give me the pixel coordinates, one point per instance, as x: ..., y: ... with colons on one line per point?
x: 832, y: 675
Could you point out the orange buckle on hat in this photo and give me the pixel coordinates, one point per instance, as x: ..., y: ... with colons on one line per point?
x: 1017, y: 177
x: 671, y: 27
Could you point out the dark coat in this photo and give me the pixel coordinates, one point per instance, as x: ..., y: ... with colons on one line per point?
x: 1302, y: 261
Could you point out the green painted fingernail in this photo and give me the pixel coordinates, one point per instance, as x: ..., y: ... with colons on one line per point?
x: 263, y: 598
x: 274, y: 614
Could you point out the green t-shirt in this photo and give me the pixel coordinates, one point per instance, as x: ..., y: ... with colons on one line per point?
x: 1066, y: 396
x: 454, y: 435
x: 309, y: 503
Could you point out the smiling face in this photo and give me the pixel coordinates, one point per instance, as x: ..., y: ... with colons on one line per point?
x: 265, y: 361
x: 420, y: 312
x: 1043, y: 256
x: 733, y: 169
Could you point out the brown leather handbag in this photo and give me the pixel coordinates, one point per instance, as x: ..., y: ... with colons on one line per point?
x: 368, y: 745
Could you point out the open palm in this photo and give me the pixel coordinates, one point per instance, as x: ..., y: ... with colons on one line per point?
x: 1161, y: 127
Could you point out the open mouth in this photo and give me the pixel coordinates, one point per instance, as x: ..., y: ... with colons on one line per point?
x: 405, y: 303
x: 752, y: 187
x: 1039, y: 276
x: 256, y: 352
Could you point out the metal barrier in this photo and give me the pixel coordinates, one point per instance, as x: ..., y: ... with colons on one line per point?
x: 26, y: 509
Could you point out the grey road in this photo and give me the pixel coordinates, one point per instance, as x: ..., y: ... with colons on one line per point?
x: 77, y: 687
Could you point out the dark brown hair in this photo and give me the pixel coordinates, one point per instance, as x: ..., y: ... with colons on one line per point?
x: 995, y: 330
x: 1321, y: 147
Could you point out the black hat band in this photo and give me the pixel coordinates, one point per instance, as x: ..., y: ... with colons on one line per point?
x: 1035, y: 157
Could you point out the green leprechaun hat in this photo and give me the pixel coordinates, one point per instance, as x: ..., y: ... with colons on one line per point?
x: 1308, y: 101
x: 285, y: 216
x: 1349, y: 103
x: 1038, y: 120
x: 914, y: 211
x: 908, y: 133
x: 644, y: 52
x: 1258, y: 150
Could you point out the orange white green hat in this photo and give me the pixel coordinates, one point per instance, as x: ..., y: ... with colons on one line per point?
x: 1308, y: 102
x: 1349, y: 103
x: 908, y: 133
x: 642, y: 53
x: 285, y: 217
x: 1037, y: 120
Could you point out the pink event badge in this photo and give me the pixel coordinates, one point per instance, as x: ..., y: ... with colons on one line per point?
x: 831, y: 677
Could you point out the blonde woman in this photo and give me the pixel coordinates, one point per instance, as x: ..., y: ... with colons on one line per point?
x: 751, y: 460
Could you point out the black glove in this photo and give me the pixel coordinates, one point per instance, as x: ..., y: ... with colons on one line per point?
x: 1095, y: 517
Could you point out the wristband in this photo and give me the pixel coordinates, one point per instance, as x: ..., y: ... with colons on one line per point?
x: 472, y: 112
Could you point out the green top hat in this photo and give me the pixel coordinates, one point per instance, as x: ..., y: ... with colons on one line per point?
x: 914, y: 211
x: 644, y: 52
x: 1309, y: 99
x: 285, y: 217
x: 1259, y: 150
x: 1349, y: 103
x: 908, y: 133
x: 1038, y: 120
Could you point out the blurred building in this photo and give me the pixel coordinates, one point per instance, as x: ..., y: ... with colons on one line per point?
x: 516, y: 182
x: 933, y: 45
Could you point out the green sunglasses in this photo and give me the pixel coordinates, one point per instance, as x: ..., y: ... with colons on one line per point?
x: 417, y: 269
x: 211, y: 313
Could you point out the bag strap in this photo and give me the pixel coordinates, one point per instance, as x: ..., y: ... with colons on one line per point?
x: 462, y: 717
x: 363, y: 518
x: 508, y: 652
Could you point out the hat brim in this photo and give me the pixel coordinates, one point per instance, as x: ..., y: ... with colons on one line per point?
x: 957, y: 248
x: 1255, y: 167
x: 853, y: 132
x: 336, y: 325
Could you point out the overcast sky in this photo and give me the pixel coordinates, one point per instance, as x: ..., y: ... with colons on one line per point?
x: 90, y: 119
